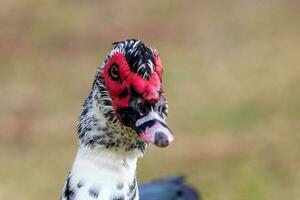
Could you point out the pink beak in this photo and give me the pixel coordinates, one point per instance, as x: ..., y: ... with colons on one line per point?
x: 153, y: 129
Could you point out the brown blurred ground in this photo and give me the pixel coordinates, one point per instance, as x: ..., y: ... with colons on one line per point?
x: 232, y: 78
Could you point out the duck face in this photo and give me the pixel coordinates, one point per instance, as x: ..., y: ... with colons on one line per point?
x: 134, y: 82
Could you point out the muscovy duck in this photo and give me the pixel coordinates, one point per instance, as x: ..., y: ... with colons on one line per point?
x: 124, y: 112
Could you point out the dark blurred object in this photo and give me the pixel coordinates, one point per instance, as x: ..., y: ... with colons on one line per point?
x: 171, y: 188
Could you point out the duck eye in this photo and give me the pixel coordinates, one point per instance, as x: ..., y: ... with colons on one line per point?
x: 114, y: 72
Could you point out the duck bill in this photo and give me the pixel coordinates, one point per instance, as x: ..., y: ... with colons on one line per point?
x: 153, y: 129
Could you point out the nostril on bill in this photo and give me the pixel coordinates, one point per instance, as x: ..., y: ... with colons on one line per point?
x: 161, y: 139
x: 142, y: 108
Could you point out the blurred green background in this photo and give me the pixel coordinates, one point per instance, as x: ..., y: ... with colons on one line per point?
x: 232, y: 78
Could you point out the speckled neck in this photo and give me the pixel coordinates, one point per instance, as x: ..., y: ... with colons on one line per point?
x: 105, y: 164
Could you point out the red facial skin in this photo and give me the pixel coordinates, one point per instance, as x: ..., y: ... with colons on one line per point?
x: 149, y: 89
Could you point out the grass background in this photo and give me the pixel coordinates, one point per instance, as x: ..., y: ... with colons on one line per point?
x: 232, y: 78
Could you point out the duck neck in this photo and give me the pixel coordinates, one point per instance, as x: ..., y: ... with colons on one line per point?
x: 105, y: 174
x: 106, y: 160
